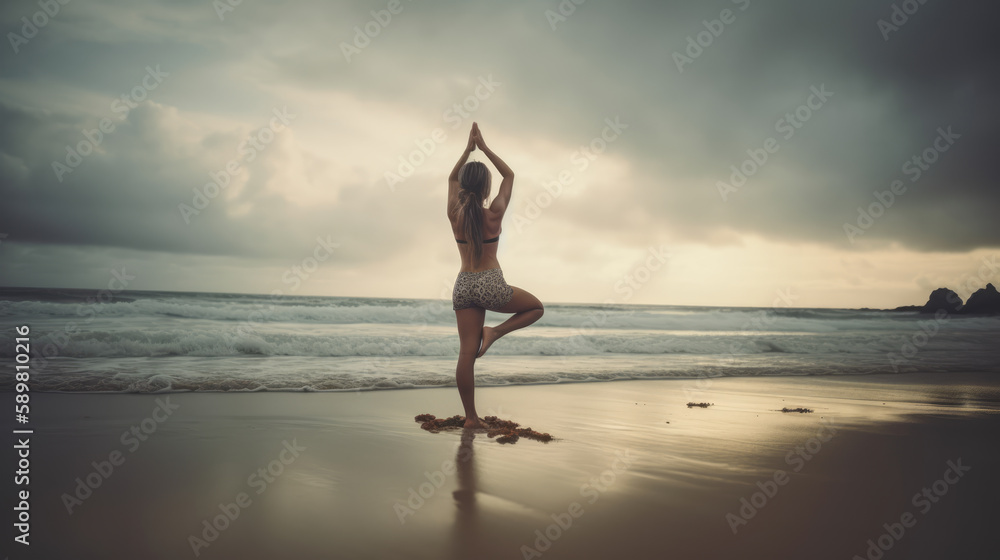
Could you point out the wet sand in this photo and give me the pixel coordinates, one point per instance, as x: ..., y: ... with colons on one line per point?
x: 633, y: 472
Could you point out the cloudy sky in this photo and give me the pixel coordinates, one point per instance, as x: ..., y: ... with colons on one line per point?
x: 742, y: 141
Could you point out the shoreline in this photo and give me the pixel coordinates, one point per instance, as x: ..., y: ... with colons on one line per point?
x: 939, y: 377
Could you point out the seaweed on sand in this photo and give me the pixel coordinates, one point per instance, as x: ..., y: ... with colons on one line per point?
x: 505, y: 431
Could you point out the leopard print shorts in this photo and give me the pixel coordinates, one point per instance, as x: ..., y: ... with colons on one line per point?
x: 485, y: 288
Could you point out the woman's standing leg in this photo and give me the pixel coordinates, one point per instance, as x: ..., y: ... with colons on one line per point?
x: 526, y: 309
x: 470, y: 330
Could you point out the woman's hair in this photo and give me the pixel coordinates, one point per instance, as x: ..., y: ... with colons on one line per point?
x: 474, y: 178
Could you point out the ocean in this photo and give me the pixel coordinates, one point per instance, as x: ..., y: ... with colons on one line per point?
x: 150, y: 342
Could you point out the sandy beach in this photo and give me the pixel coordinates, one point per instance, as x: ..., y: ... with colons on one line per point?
x: 633, y: 472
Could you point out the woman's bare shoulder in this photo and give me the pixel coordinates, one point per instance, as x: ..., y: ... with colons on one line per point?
x: 493, y: 214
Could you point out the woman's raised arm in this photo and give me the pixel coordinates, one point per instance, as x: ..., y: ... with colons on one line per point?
x: 506, y: 186
x: 453, y: 184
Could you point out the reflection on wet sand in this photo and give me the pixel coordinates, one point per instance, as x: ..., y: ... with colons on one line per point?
x: 468, y: 540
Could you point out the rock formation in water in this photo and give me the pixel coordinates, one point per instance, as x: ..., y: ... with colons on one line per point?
x: 983, y: 301
x: 942, y: 298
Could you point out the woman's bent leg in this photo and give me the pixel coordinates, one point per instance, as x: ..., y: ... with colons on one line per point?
x: 470, y: 329
x: 526, y: 309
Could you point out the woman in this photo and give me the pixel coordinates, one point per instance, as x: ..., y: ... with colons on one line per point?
x: 480, y: 284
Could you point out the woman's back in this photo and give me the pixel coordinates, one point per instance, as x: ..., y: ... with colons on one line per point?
x: 490, y: 235
x: 475, y: 226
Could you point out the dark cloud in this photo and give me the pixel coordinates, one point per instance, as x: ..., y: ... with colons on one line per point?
x: 606, y: 60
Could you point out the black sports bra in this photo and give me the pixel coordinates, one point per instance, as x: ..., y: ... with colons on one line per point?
x: 491, y: 240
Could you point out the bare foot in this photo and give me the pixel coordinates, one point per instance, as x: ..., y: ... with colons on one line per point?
x: 489, y: 337
x: 474, y: 423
